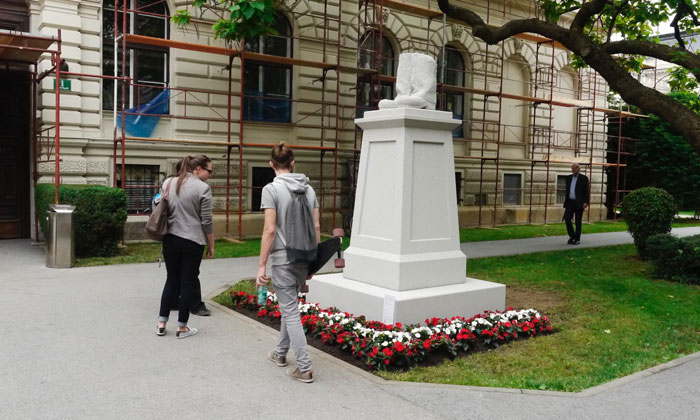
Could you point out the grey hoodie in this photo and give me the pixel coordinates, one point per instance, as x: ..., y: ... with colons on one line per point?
x: 278, y: 197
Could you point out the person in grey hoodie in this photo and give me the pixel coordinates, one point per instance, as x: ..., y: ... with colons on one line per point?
x: 190, y: 228
x: 287, y: 277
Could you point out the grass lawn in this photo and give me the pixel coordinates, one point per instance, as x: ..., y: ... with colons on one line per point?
x: 148, y: 252
x: 611, y: 319
x: 555, y: 229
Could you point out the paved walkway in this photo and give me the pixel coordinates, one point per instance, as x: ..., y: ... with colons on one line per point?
x: 79, y: 344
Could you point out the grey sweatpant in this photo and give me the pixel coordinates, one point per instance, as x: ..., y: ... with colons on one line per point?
x: 287, y: 279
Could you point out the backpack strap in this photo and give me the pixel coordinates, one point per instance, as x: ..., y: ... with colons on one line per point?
x: 278, y: 231
x: 166, y: 193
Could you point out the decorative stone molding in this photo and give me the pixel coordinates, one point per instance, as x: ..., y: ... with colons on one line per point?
x: 518, y: 45
x: 385, y: 15
x: 457, y: 31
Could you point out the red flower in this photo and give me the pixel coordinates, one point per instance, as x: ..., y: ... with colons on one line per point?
x: 426, y: 344
x: 386, y: 361
x: 262, y: 312
x: 526, y: 328
x: 510, y: 308
x: 507, y: 324
x: 387, y: 351
x: 398, y: 346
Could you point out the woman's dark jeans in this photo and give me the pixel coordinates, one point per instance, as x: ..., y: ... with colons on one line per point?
x: 182, y: 260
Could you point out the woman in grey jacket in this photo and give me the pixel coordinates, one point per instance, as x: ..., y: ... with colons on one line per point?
x: 190, y: 228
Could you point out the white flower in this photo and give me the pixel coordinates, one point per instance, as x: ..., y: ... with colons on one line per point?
x: 385, y: 343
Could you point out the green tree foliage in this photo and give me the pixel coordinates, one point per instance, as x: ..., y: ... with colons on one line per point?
x: 612, y: 37
x: 663, y: 158
x: 648, y: 211
x: 237, y: 19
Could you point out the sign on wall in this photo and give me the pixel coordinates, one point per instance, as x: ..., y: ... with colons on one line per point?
x: 65, y: 85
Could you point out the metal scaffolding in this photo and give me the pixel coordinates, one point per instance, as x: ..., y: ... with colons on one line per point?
x: 485, y: 148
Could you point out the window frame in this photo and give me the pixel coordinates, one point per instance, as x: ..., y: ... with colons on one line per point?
x: 262, y: 96
x: 365, y: 82
x: 145, y: 198
x: 133, y: 54
x: 519, y: 192
x: 459, y: 97
x: 563, y: 191
x: 253, y: 186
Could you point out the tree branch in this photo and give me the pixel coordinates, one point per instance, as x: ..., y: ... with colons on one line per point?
x: 675, y: 55
x: 600, y: 59
x: 587, y: 11
x: 614, y: 18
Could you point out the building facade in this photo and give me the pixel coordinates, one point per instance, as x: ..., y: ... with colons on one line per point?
x: 526, y: 112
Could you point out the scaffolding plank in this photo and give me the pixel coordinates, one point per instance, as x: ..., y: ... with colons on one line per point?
x: 22, y: 46
x: 411, y: 9
x: 266, y: 58
x: 169, y: 43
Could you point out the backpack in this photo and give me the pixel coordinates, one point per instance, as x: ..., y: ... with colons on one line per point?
x: 299, y: 237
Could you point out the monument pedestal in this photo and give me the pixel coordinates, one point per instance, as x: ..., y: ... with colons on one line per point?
x: 404, y: 262
x: 467, y: 298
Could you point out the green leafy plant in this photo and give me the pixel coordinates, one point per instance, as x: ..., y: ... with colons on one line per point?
x: 238, y: 19
x: 675, y: 258
x: 98, y: 219
x: 662, y: 156
x: 648, y: 211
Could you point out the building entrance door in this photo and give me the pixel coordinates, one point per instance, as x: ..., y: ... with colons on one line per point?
x: 14, y: 154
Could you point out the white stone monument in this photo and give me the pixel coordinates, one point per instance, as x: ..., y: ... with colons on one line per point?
x: 404, y: 263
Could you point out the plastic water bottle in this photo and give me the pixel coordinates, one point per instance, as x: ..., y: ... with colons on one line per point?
x: 262, y: 295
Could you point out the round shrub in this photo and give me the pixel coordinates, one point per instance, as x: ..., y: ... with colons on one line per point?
x: 665, y: 251
x: 98, y: 219
x: 675, y: 258
x: 648, y: 211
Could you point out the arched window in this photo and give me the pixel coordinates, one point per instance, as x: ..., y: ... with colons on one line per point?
x: 374, y: 55
x: 147, y: 66
x: 454, y: 76
x: 267, y: 87
x: 515, y: 112
x: 564, y: 119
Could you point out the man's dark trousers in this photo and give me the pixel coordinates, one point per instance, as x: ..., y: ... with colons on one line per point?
x: 571, y: 209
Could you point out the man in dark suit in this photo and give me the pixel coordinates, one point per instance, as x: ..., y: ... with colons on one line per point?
x: 576, y: 201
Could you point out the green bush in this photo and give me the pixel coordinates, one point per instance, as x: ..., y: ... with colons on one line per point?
x: 674, y: 258
x: 98, y: 219
x: 648, y: 211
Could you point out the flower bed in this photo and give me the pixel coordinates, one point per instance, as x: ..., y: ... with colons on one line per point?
x: 382, y: 346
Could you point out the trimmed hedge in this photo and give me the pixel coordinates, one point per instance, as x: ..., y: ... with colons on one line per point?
x: 674, y: 258
x: 648, y: 211
x: 98, y: 219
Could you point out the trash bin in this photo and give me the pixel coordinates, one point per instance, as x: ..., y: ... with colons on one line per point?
x: 60, y: 246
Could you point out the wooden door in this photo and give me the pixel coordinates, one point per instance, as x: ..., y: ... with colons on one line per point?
x: 14, y: 154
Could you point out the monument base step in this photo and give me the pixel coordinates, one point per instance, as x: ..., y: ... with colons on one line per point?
x: 408, y: 307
